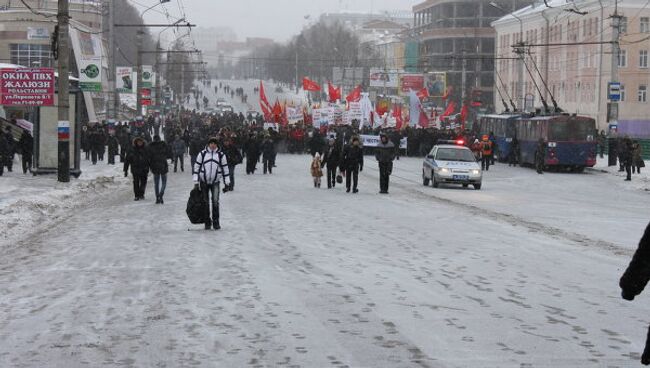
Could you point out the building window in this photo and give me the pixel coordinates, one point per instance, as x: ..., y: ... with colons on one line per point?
x: 622, y: 92
x: 623, y: 25
x: 644, y: 26
x: 622, y: 58
x: 643, y: 93
x: 643, y: 59
x: 31, y: 55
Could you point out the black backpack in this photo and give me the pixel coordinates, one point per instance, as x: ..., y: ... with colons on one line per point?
x: 196, y: 207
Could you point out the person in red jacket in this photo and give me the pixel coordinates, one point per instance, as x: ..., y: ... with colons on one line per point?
x: 486, y: 153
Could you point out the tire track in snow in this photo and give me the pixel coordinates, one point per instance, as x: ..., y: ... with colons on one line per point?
x: 513, y: 220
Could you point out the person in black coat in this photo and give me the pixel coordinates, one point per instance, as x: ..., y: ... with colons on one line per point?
x: 11, y: 149
x: 252, y: 150
x: 352, y: 163
x: 196, y: 146
x: 4, y: 149
x: 113, y: 148
x: 137, y: 159
x: 625, y: 156
x: 385, y: 154
x: 26, y: 145
x: 268, y: 154
x: 234, y: 158
x: 159, y: 152
x: 636, y: 277
x: 331, y: 158
x: 316, y: 143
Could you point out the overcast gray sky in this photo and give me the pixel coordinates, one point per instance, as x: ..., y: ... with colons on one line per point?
x: 277, y: 19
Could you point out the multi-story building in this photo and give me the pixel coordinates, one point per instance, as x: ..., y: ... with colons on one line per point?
x: 25, y: 37
x: 571, y: 45
x: 456, y: 37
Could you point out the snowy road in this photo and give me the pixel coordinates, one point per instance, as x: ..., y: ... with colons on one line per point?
x: 301, y: 277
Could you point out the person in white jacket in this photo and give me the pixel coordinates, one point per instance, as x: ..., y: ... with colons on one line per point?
x: 210, y: 168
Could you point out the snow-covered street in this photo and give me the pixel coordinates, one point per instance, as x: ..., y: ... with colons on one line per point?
x: 304, y: 277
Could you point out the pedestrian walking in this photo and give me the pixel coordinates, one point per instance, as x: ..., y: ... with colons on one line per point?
x: 159, y: 152
x: 487, y: 153
x: 626, y: 156
x: 11, y: 149
x: 268, y: 154
x: 352, y: 164
x: 137, y: 159
x: 515, y: 151
x: 637, y: 157
x: 385, y: 154
x: 636, y: 277
x: 316, y: 170
x: 179, y: 148
x: 234, y: 157
x: 331, y: 159
x: 113, y: 147
x: 26, y: 146
x: 540, y: 156
x: 4, y: 151
x: 211, y: 168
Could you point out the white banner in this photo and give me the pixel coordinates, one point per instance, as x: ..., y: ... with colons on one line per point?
x: 294, y: 115
x: 320, y: 117
x: 384, y: 78
x: 147, y: 76
x: 373, y: 141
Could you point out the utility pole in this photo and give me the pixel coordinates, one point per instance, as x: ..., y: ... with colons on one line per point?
x: 63, y: 52
x: 612, y: 114
x: 112, y: 111
x: 464, y: 78
x: 138, y: 89
x: 296, y: 69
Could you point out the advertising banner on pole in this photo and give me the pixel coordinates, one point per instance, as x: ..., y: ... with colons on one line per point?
x: 90, y: 76
x: 147, y: 76
x: 27, y: 86
x: 123, y: 79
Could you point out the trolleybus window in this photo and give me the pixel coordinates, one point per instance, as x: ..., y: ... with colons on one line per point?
x: 571, y: 130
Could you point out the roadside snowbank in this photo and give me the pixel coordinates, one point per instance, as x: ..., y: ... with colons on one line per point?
x: 29, y: 203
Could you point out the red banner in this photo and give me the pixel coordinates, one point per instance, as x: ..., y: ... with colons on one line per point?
x: 310, y: 85
x: 27, y: 86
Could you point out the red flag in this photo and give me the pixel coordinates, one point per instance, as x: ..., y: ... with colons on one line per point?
x: 397, y: 114
x: 449, y: 110
x: 423, y: 93
x: 464, y: 111
x: 334, y: 93
x: 310, y: 85
x: 355, y: 95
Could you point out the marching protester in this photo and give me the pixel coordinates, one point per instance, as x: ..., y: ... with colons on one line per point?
x: 385, y: 154
x: 234, y: 157
x: 210, y: 169
x: 316, y: 170
x: 352, y: 163
x: 252, y: 150
x: 178, y: 149
x: 137, y: 159
x: 331, y: 159
x: 113, y: 148
x: 159, y: 152
x: 268, y: 154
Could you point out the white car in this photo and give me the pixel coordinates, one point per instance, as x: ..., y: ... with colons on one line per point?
x: 451, y: 164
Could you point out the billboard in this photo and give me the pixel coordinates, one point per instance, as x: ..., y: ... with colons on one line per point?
x: 88, y: 54
x: 436, y: 83
x: 27, y: 86
x: 410, y: 82
x: 123, y: 79
x: 384, y: 78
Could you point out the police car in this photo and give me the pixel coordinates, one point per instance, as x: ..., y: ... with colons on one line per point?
x: 451, y: 164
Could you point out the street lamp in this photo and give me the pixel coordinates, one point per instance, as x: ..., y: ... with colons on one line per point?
x: 520, y: 52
